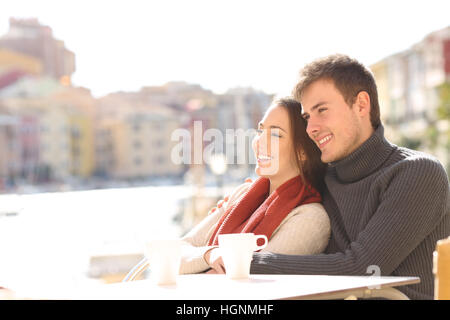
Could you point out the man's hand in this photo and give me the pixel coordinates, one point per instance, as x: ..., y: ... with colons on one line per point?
x: 214, y: 258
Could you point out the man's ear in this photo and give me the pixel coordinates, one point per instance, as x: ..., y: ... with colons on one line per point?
x: 362, y: 103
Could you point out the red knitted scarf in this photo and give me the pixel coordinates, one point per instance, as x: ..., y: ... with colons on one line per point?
x: 258, y: 213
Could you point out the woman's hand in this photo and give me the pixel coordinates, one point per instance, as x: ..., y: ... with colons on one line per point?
x: 214, y: 259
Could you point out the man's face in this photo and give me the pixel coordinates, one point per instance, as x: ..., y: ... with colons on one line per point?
x: 333, y: 125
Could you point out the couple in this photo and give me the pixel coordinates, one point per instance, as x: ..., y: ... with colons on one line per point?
x: 343, y: 198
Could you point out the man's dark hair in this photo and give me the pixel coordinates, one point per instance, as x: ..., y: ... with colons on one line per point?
x: 349, y: 76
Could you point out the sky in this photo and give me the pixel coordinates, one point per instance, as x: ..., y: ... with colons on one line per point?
x: 128, y: 44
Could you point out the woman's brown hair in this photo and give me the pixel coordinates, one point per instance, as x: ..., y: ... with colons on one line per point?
x: 312, y: 169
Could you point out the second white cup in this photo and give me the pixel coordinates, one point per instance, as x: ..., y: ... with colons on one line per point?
x: 237, y: 251
x: 164, y: 256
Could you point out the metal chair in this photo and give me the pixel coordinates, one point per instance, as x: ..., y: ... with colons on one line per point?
x: 136, y: 270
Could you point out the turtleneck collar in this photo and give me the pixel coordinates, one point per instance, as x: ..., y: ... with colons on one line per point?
x: 364, y: 160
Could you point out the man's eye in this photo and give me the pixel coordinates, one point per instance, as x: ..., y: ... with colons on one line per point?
x: 322, y: 110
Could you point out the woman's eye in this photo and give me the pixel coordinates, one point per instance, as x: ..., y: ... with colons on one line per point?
x: 274, y: 134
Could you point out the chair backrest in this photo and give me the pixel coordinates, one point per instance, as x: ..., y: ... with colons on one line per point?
x: 441, y: 270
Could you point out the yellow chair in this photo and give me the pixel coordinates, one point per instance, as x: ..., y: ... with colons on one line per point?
x: 441, y: 270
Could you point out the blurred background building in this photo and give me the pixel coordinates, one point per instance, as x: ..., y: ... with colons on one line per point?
x: 30, y: 38
x: 62, y: 137
x: 414, y: 94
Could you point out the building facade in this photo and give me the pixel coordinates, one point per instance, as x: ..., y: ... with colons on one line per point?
x: 29, y: 37
x: 409, y: 85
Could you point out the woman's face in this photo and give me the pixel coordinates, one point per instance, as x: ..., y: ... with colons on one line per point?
x: 273, y: 145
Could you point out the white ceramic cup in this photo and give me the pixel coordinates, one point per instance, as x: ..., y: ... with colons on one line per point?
x: 237, y: 251
x: 164, y: 257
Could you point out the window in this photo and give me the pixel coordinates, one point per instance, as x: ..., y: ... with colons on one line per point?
x: 137, y: 144
x: 137, y: 161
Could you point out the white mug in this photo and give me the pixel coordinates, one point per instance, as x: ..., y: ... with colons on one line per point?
x: 237, y: 251
x: 164, y: 257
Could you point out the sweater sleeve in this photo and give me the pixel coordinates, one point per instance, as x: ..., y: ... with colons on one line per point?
x: 414, y: 201
x: 195, y: 242
x: 306, y: 230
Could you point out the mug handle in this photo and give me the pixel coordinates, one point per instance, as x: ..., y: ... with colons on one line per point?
x: 261, y: 236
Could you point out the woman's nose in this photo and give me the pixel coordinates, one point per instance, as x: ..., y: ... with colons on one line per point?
x: 266, y: 143
x: 260, y: 143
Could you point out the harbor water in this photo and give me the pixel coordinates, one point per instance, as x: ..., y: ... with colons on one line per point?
x: 51, y: 237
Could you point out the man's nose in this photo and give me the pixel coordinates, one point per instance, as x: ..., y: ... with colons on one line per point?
x: 312, y: 128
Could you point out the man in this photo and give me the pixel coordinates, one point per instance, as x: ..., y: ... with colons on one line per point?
x: 388, y: 206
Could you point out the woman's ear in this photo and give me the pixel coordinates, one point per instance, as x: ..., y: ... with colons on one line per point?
x: 301, y: 155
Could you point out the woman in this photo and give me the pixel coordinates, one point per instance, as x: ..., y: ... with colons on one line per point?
x: 283, y: 203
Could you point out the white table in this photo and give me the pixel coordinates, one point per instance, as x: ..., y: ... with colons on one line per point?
x: 218, y: 287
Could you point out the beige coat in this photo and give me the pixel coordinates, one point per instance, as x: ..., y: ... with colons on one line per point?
x: 305, y: 230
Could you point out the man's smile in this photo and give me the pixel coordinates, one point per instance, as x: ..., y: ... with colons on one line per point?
x: 324, y: 140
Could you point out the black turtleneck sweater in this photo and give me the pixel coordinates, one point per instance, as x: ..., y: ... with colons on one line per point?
x: 388, y: 206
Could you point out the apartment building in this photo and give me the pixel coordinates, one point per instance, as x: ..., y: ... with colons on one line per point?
x: 409, y: 93
x: 29, y: 37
